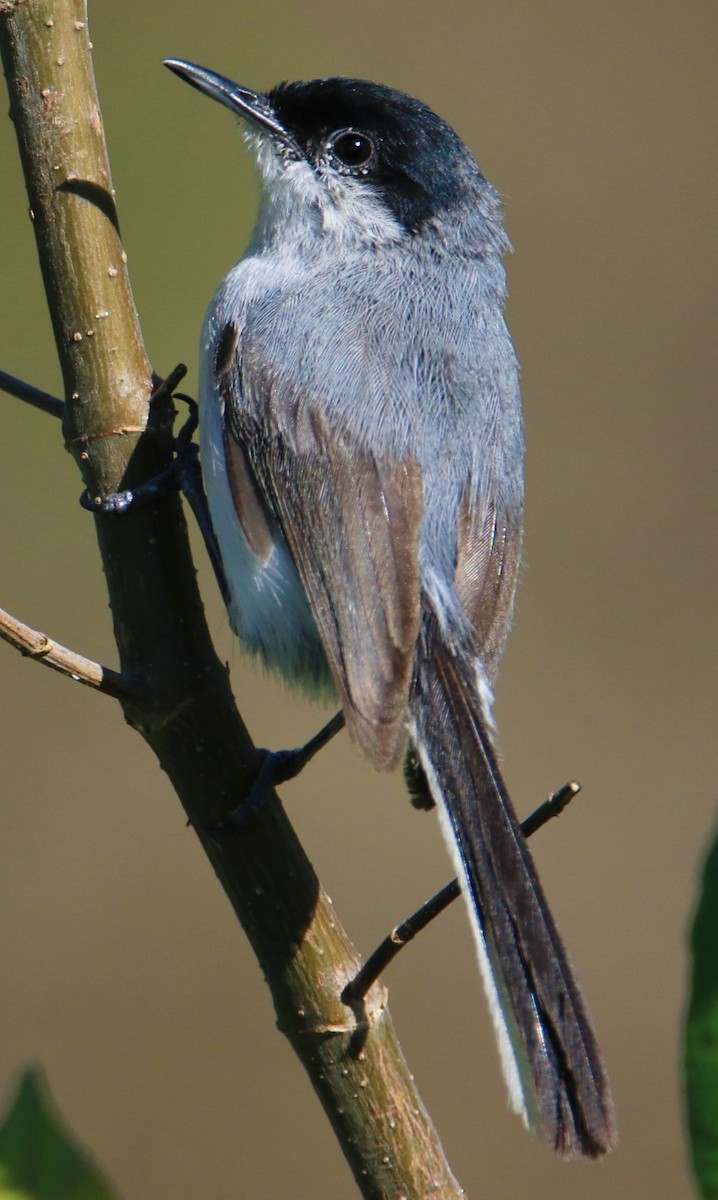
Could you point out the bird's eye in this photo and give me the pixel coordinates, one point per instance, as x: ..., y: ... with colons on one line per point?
x: 352, y: 150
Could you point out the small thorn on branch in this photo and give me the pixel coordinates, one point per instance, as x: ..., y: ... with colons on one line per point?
x: 34, y: 644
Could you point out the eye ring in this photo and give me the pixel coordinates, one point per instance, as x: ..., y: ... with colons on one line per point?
x: 352, y: 152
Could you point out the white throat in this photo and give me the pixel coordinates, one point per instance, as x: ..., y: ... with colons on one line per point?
x: 300, y: 202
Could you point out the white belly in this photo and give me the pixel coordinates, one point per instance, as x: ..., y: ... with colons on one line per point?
x: 268, y: 608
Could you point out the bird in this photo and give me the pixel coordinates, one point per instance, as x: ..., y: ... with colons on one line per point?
x: 362, y: 449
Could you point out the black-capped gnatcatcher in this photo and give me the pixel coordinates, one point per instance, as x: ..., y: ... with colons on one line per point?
x: 362, y: 449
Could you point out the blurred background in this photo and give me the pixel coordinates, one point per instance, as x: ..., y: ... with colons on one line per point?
x: 124, y: 972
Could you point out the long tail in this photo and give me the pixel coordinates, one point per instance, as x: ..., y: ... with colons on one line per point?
x: 549, y: 1053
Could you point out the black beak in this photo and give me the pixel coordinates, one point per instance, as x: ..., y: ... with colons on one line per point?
x: 252, y: 106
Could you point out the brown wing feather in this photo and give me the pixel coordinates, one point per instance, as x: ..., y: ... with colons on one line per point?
x: 487, y: 564
x: 351, y: 522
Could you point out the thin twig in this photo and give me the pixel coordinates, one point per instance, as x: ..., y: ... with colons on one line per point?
x: 400, y: 935
x: 39, y: 646
x: 31, y: 395
x: 165, y: 387
x: 552, y: 807
x: 56, y: 408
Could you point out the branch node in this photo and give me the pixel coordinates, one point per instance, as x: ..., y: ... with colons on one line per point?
x: 46, y: 645
x: 33, y: 644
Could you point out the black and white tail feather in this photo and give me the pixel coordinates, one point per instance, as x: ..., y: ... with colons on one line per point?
x: 551, y: 1061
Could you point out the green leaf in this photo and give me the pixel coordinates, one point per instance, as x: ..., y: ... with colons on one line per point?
x: 39, y: 1158
x: 701, y: 1046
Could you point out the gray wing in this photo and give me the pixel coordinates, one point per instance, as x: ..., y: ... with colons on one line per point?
x: 350, y: 519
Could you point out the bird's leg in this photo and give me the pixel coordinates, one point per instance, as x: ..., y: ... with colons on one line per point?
x: 276, y: 767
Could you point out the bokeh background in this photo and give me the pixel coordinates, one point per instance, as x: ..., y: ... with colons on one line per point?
x: 123, y: 970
